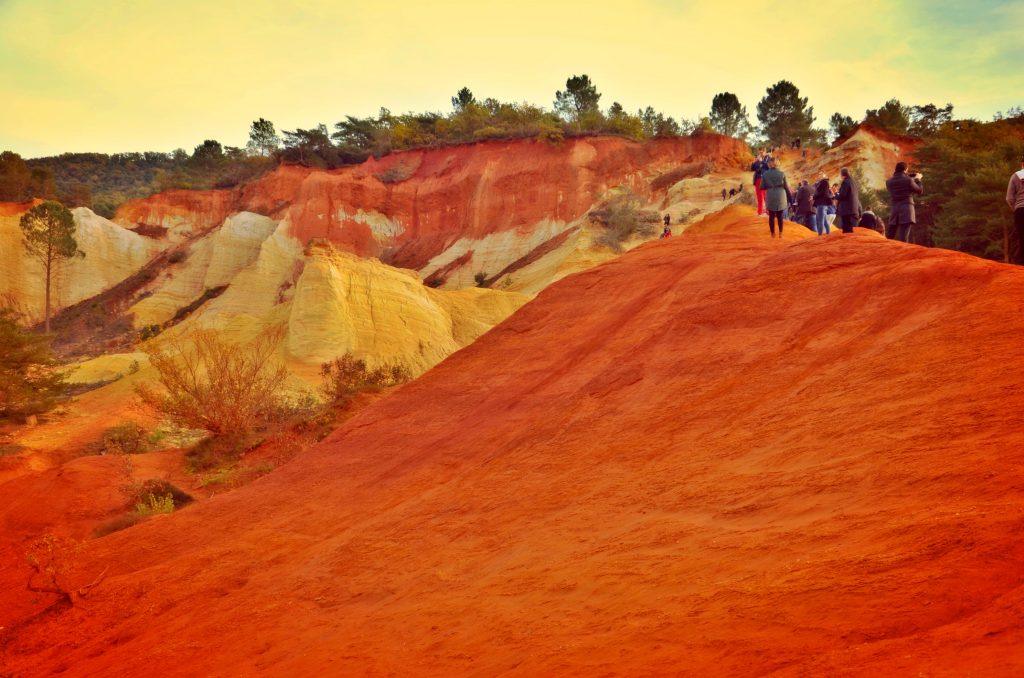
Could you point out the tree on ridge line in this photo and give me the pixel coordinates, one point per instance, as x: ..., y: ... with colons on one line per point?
x: 784, y: 115
x: 728, y: 116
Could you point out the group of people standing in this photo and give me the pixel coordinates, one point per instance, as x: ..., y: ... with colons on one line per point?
x: 818, y: 206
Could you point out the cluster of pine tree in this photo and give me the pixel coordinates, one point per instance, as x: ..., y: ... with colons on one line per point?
x: 965, y: 160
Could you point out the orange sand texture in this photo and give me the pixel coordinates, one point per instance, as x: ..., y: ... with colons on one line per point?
x: 719, y: 454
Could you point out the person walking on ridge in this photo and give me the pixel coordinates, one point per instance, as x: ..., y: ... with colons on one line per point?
x: 848, y: 201
x: 822, y: 201
x: 758, y: 167
x: 902, y: 215
x: 1015, y: 199
x: 773, y: 182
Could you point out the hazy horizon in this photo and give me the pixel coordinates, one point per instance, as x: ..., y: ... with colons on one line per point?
x: 117, y: 76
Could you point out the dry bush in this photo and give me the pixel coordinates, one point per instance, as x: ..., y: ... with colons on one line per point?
x: 128, y: 437
x: 621, y: 218
x: 213, y: 384
x: 216, y: 450
x: 403, y: 170
x: 347, y: 376
x: 52, y: 558
x: 151, y: 494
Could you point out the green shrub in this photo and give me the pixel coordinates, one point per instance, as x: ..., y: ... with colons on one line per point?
x: 128, y: 437
x: 154, y: 504
x: 224, y: 476
x: 161, y: 488
x: 347, y: 376
x: 29, y: 380
x: 486, y: 133
x: 218, y: 450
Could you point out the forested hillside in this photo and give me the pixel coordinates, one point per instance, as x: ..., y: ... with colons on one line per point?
x: 966, y: 162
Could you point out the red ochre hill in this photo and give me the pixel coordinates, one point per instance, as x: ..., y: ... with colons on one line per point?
x: 719, y: 454
x: 408, y: 207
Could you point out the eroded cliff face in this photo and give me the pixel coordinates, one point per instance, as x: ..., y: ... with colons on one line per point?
x: 868, y: 149
x: 111, y: 254
x: 450, y: 213
x: 177, y: 215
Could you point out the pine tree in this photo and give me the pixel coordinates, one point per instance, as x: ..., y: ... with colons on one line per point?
x: 728, y: 117
x: 48, y: 233
x: 579, y: 98
x: 28, y: 382
x: 263, y: 139
x: 784, y: 116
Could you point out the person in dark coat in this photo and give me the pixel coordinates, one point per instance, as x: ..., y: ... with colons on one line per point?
x: 870, y: 220
x: 805, y: 205
x: 822, y: 201
x: 773, y: 182
x: 902, y: 216
x: 848, y: 201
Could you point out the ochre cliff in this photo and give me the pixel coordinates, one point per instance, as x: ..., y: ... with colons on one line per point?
x: 177, y: 214
x: 487, y: 204
x: 111, y: 253
x: 719, y: 454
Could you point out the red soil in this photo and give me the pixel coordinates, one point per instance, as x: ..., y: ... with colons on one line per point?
x: 906, y: 143
x: 719, y: 454
x: 450, y: 193
x: 202, y: 209
x: 10, y: 209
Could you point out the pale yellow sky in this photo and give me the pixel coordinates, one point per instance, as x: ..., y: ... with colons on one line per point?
x: 118, y: 75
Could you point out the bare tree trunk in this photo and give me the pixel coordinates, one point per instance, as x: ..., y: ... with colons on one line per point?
x: 49, y: 265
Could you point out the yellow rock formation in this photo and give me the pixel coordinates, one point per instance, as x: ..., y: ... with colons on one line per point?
x: 112, y: 253
x: 345, y: 304
x: 212, y: 261
x: 107, y: 368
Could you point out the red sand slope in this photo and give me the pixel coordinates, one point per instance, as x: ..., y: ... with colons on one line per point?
x: 717, y: 455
